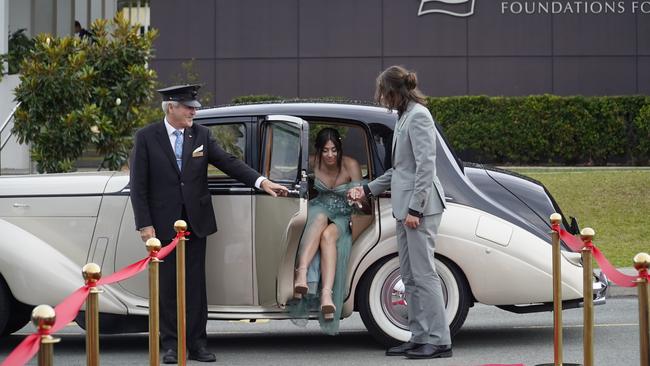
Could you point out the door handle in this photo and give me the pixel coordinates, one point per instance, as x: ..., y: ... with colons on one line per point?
x: 21, y: 205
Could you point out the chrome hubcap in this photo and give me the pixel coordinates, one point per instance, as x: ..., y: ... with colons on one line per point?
x: 393, y: 299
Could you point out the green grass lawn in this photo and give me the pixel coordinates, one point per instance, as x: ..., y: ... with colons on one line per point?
x: 615, y: 202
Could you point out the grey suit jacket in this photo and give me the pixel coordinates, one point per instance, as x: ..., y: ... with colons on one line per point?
x: 412, y: 179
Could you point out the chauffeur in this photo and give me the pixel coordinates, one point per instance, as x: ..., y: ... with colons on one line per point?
x: 169, y: 166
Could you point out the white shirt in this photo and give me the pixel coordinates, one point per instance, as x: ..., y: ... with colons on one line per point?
x: 172, y: 140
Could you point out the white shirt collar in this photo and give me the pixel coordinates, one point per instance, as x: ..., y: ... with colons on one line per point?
x: 170, y: 129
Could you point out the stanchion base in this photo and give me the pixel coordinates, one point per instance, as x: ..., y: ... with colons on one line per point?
x: 563, y: 364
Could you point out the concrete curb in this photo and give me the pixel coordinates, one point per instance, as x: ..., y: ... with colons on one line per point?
x: 618, y: 291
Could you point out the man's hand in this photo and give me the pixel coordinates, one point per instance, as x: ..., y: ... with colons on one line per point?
x: 274, y: 189
x: 412, y: 221
x: 356, y: 194
x: 147, y: 233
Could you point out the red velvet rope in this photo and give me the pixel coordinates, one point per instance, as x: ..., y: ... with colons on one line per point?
x: 610, y: 271
x: 68, y: 309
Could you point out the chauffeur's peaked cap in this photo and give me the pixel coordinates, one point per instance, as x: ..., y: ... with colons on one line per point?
x: 185, y: 94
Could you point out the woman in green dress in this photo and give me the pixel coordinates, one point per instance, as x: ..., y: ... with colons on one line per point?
x: 320, y: 276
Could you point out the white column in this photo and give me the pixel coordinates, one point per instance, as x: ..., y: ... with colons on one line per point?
x: 110, y: 8
x: 95, y: 10
x: 20, y: 16
x: 64, y: 19
x: 4, y: 31
x: 43, y: 17
x: 81, y: 13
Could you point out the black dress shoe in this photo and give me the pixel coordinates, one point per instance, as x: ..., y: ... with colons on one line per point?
x: 202, y: 355
x: 401, y: 349
x: 430, y: 351
x: 170, y: 356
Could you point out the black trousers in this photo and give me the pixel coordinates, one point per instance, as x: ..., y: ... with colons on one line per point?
x: 195, y: 296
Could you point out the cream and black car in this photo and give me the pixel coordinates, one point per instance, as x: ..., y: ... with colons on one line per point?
x: 493, y: 245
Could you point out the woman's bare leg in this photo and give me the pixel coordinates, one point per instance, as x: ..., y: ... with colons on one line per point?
x: 308, y: 249
x: 328, y: 269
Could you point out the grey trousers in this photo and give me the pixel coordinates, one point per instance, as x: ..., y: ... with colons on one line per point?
x: 425, y: 303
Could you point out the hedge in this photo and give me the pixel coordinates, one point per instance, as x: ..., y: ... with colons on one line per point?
x: 538, y: 129
x: 546, y: 129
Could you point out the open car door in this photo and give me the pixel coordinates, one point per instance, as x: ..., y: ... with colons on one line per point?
x: 279, y: 222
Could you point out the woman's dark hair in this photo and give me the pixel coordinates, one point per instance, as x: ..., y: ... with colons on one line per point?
x: 396, y: 87
x: 325, y: 135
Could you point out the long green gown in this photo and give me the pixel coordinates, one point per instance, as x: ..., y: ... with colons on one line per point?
x: 332, y: 203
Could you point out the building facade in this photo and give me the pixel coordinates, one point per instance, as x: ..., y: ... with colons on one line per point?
x: 305, y: 49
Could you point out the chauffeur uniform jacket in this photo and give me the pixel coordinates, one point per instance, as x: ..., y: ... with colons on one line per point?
x: 160, y: 191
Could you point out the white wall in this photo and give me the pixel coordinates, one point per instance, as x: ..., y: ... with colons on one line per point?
x: 19, y: 16
x: 43, y: 16
x: 81, y: 12
x: 95, y: 10
x: 64, y: 21
x: 4, y: 34
x: 14, y: 157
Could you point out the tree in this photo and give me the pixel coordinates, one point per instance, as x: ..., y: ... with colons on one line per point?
x: 75, y: 92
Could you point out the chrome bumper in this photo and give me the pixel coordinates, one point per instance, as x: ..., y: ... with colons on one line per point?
x: 600, y: 290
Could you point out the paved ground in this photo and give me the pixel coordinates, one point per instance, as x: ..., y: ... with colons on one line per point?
x: 490, y: 335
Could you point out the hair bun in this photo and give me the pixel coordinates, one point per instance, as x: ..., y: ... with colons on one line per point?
x: 410, y: 81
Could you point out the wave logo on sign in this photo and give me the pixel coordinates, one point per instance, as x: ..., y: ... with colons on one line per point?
x: 456, y: 8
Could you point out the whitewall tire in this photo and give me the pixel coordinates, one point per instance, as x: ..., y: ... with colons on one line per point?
x: 382, y: 304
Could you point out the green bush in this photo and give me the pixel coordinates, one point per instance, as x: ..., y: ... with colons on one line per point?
x: 74, y: 92
x: 19, y: 47
x: 546, y: 129
x: 255, y: 98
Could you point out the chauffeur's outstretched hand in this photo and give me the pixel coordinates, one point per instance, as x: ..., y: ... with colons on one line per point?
x: 274, y: 189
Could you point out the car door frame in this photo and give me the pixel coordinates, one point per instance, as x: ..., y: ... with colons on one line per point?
x: 274, y: 269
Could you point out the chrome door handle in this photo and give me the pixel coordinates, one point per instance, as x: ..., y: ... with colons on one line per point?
x: 21, y: 205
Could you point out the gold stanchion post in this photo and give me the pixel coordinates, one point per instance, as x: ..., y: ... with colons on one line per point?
x: 587, y: 235
x: 556, y: 219
x: 91, y: 274
x: 641, y: 263
x: 43, y: 318
x: 180, y: 226
x: 153, y: 247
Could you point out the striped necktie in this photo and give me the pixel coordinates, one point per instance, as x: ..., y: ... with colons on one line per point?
x: 178, y: 148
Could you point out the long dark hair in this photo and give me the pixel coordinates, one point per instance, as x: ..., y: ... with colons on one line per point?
x: 396, y: 87
x: 325, y: 135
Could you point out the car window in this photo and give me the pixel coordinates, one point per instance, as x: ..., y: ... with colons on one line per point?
x: 383, y: 138
x: 282, y: 151
x: 232, y: 138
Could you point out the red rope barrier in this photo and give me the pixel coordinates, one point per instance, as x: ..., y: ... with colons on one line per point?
x: 610, y: 271
x: 68, y: 309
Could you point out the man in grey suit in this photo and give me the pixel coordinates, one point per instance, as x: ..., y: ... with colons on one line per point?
x: 418, y: 201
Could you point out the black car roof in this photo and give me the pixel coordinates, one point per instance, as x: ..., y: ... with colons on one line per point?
x: 344, y: 110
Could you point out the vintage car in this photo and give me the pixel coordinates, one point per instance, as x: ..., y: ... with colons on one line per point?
x: 493, y: 245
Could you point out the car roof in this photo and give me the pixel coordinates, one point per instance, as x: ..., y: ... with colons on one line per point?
x: 344, y: 110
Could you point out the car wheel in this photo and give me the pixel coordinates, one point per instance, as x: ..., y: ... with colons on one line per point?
x: 382, y: 304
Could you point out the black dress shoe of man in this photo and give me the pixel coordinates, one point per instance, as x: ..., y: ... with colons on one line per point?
x: 202, y: 355
x: 430, y: 351
x: 401, y: 349
x: 170, y: 357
